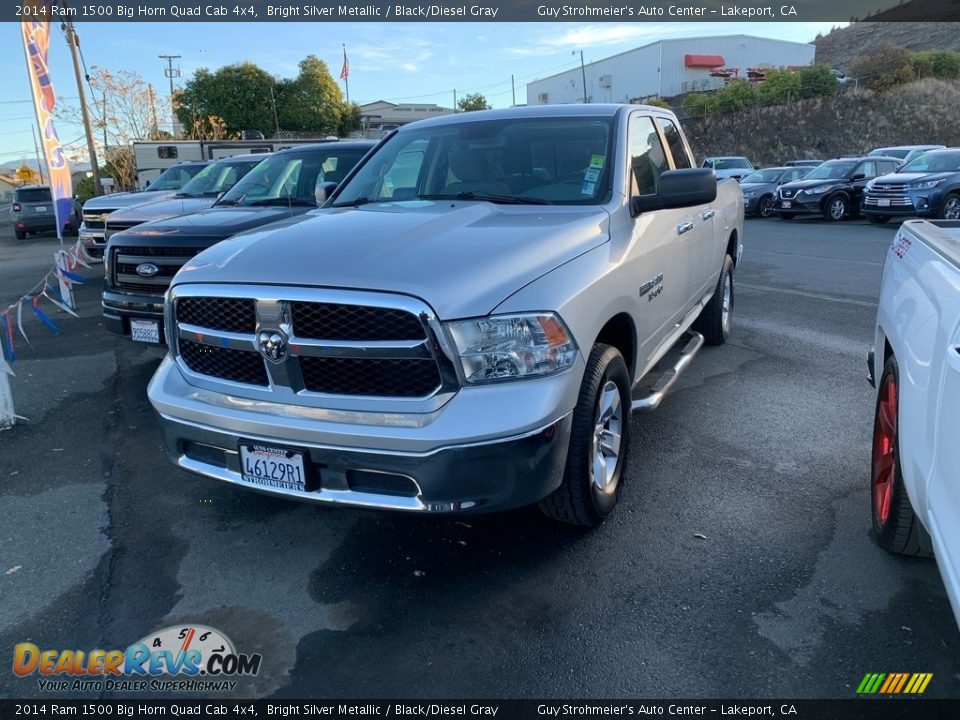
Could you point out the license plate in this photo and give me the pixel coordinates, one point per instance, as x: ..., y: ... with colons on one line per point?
x: 41, y: 208
x: 272, y: 467
x: 147, y: 331
x: 883, y: 202
x: 787, y: 204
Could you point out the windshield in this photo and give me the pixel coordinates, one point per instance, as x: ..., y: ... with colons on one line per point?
x: 559, y: 160
x: 290, y: 178
x: 216, y: 178
x: 891, y: 152
x: 831, y: 171
x: 934, y: 162
x: 728, y: 163
x: 764, y: 176
x: 176, y: 177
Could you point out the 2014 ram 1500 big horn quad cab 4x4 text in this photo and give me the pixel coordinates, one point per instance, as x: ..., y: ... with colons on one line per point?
x: 915, y: 366
x: 468, y: 322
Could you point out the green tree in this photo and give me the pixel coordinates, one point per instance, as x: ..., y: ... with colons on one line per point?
x: 473, y: 101
x: 883, y: 68
x: 657, y: 102
x: 312, y: 101
x: 945, y: 64
x: 737, y: 95
x: 817, y: 80
x: 780, y: 87
x: 239, y: 95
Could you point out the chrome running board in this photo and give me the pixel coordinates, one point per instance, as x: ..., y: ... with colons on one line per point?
x: 649, y: 393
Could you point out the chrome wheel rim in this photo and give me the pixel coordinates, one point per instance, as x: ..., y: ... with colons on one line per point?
x: 607, y: 439
x: 837, y: 209
x: 951, y: 209
x: 727, y: 303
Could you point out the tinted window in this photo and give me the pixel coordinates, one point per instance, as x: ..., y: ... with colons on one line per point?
x: 731, y: 163
x: 167, y: 152
x: 934, y: 162
x: 33, y: 195
x: 216, y: 178
x: 767, y: 176
x: 832, y: 170
x: 675, y: 142
x: 647, y: 159
x: 176, y: 177
x: 867, y: 169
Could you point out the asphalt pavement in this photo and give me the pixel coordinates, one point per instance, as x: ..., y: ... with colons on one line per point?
x: 739, y: 563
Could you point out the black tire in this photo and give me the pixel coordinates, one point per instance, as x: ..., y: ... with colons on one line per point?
x: 20, y: 234
x: 896, y: 527
x: 765, y: 206
x: 579, y: 500
x: 950, y: 209
x: 879, y: 219
x: 711, y: 323
x: 836, y: 207
x: 787, y: 216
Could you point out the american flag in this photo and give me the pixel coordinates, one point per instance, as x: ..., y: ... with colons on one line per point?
x: 345, y: 71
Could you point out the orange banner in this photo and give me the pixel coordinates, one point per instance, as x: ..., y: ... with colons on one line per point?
x: 36, y: 42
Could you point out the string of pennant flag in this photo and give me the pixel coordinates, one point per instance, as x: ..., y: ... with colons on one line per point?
x: 62, y: 275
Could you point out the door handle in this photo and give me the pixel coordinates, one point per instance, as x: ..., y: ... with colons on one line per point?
x: 684, y: 227
x: 707, y: 214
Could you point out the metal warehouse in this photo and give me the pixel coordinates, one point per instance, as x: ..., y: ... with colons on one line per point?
x: 668, y: 68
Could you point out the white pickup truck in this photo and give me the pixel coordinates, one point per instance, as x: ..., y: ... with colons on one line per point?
x: 468, y: 322
x: 915, y: 366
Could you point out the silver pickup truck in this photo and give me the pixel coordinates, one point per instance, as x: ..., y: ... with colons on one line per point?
x: 466, y: 325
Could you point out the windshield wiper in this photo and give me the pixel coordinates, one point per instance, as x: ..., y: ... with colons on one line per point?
x: 222, y: 203
x: 489, y: 197
x: 288, y: 201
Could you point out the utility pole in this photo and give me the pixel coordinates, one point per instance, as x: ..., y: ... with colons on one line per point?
x: 513, y: 90
x: 454, y: 99
x: 171, y: 72
x: 583, y: 74
x: 91, y: 146
x: 36, y: 149
x: 155, y: 131
x: 276, y: 119
x: 104, y: 118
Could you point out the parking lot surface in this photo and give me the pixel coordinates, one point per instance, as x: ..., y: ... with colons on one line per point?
x: 738, y: 563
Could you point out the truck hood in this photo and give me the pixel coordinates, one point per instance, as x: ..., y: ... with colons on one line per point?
x: 160, y: 210
x: 217, y: 222
x: 126, y: 199
x: 798, y: 185
x: 758, y: 187
x: 463, y: 258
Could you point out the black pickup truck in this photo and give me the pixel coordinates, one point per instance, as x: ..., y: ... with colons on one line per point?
x: 139, y: 263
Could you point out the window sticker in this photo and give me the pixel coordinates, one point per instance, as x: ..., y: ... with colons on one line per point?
x: 596, y: 161
x: 591, y: 175
x: 587, y: 188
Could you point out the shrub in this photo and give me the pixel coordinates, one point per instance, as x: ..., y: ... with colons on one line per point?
x: 884, y: 68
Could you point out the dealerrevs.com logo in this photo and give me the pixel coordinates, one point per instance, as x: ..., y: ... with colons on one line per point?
x: 193, y: 658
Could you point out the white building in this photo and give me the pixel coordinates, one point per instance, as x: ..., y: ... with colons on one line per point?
x: 668, y: 68
x: 382, y: 112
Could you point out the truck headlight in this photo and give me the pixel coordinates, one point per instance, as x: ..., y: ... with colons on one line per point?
x: 927, y: 184
x: 510, y: 347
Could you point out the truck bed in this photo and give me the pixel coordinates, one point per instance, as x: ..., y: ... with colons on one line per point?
x: 943, y: 236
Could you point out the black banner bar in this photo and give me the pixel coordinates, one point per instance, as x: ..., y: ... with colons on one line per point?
x: 480, y: 10
x: 872, y: 709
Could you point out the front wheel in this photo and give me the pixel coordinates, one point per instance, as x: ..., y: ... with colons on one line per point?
x: 950, y: 210
x: 835, y: 208
x: 765, y: 206
x: 599, y: 443
x: 895, y: 524
x: 716, y: 317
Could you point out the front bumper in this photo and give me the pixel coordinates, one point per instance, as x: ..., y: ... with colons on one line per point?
x: 93, y: 241
x: 120, y: 308
x: 911, y: 204
x: 478, y: 453
x: 798, y: 205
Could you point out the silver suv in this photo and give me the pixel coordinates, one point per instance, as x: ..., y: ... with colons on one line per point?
x: 32, y: 212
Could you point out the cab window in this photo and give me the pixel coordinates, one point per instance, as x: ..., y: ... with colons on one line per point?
x: 647, y: 157
x: 681, y: 159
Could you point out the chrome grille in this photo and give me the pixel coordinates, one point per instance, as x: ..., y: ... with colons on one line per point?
x: 379, y: 352
x: 893, y: 195
x: 169, y: 260
x: 95, y: 220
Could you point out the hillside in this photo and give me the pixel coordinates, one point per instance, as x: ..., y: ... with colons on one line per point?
x: 826, y: 127
x: 838, y: 48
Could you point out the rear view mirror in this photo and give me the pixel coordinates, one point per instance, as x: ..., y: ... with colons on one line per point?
x: 323, y: 191
x: 678, y: 189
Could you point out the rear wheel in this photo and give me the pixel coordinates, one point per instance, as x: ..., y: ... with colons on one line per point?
x: 895, y: 524
x: 950, y: 210
x: 599, y: 443
x: 20, y: 234
x: 835, y: 208
x: 879, y: 219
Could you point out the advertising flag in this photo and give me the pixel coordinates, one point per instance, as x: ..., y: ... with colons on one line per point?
x: 36, y: 42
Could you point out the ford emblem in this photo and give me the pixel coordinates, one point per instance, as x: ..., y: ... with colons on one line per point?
x: 147, y: 269
x: 273, y: 345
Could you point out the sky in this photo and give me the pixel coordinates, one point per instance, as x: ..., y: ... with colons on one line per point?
x: 400, y: 62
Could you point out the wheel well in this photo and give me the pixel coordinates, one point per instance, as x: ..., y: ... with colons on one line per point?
x: 887, y: 351
x: 732, y: 247
x: 619, y: 333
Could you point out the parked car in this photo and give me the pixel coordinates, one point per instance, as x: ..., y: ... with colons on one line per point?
x: 760, y: 188
x: 832, y: 189
x: 906, y: 153
x: 915, y: 367
x: 198, y: 194
x: 32, y: 212
x: 803, y: 163
x: 468, y: 334
x: 927, y: 186
x: 729, y: 167
x: 141, y: 261
x: 96, y: 209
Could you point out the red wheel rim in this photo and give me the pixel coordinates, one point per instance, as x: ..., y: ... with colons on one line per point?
x: 884, y: 450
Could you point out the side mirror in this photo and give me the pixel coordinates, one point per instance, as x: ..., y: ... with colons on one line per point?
x: 323, y: 190
x: 859, y: 176
x: 678, y: 189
